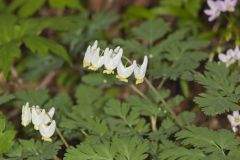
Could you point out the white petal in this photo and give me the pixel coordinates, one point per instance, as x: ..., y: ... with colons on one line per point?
x: 236, y: 114
x: 125, y: 72
x: 47, y: 131
x: 140, y: 72
x: 117, y: 49
x: 95, y: 44
x: 231, y: 120
x: 26, y: 114
x: 234, y: 129
x: 116, y: 60
x: 51, y: 112
x: 222, y: 57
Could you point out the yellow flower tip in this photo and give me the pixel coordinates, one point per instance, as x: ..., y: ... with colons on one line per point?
x: 108, y: 71
x: 122, y: 79
x: 36, y: 127
x: 93, y: 68
x: 48, y: 139
x: 86, y: 64
x: 24, y: 124
x: 139, y: 80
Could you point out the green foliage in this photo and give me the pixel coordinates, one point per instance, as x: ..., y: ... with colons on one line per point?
x: 34, y: 97
x: 100, y: 118
x: 34, y: 150
x: 18, y: 32
x: 151, y: 30
x: 181, y: 55
x: 200, y: 143
x: 182, y: 8
x: 26, y: 8
x: 123, y: 119
x: 131, y: 148
x: 6, y: 136
x: 222, y: 92
x: 171, y: 151
x: 6, y: 98
x: 88, y: 29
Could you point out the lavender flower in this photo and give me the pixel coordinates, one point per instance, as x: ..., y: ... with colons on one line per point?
x: 228, y: 5
x: 214, y: 9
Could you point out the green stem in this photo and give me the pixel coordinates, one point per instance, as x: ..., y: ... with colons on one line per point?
x: 175, y: 117
x: 62, y: 138
x: 60, y: 134
x: 153, y: 118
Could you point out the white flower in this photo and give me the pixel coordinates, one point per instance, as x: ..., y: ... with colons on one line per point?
x: 38, y: 116
x: 26, y: 114
x: 234, y: 120
x: 96, y: 60
x: 214, y: 11
x: 48, y: 117
x: 237, y: 53
x: 47, y: 131
x: 228, y: 58
x: 112, y: 59
x: 125, y: 72
x: 89, y: 54
x: 140, y: 72
x: 228, y: 5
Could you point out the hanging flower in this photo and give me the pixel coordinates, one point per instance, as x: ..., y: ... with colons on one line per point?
x: 89, y: 54
x: 47, y: 131
x: 125, y: 72
x: 26, y: 114
x: 48, y: 117
x: 38, y: 116
x: 96, y: 60
x: 140, y: 71
x: 234, y: 120
x: 112, y: 59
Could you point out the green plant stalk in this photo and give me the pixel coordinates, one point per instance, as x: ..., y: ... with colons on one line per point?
x: 174, y: 116
x: 60, y: 134
x: 153, y: 118
x: 62, y: 138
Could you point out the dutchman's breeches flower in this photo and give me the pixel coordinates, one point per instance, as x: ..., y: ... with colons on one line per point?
x: 234, y: 120
x: 89, y: 54
x: 48, y: 117
x: 38, y: 116
x: 125, y: 72
x: 112, y: 59
x: 47, y: 131
x: 40, y: 120
x: 26, y: 114
x: 96, y: 60
x: 140, y: 71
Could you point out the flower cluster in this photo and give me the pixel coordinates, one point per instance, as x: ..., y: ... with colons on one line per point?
x: 231, y: 56
x: 234, y: 120
x: 111, y: 60
x: 216, y: 7
x: 41, y: 120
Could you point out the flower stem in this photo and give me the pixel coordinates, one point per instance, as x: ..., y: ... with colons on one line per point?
x: 174, y: 116
x: 60, y: 134
x: 62, y: 138
x: 153, y: 118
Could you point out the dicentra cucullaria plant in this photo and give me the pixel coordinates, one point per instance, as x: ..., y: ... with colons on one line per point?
x: 149, y: 95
